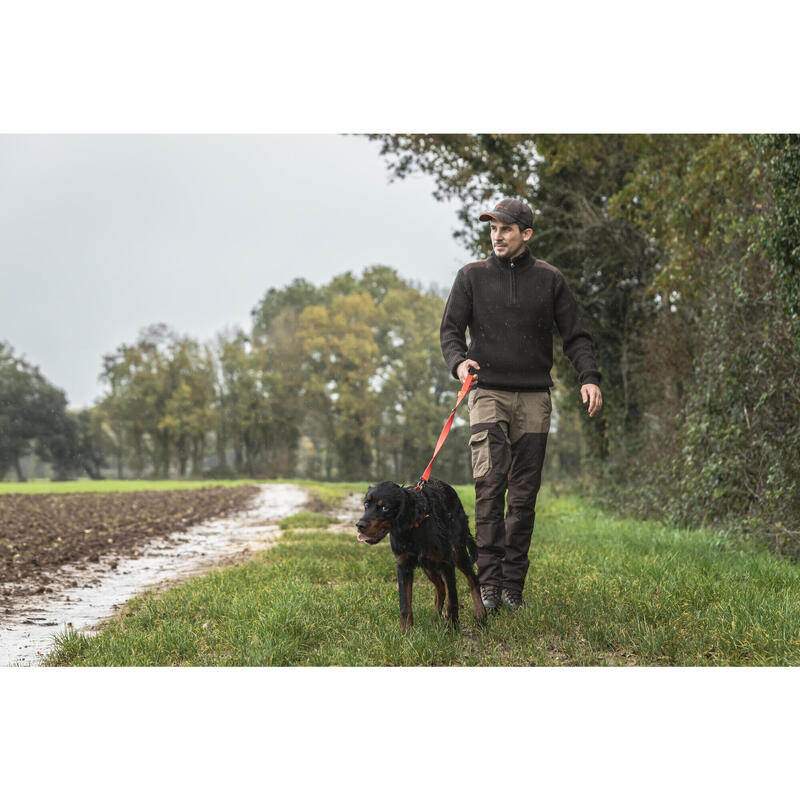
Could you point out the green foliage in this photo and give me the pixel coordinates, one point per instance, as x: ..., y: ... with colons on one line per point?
x: 473, y: 168
x: 341, y: 358
x: 296, y: 296
x: 724, y: 403
x: 374, y: 388
x: 345, y: 380
x: 781, y: 237
x: 159, y: 403
x: 33, y: 416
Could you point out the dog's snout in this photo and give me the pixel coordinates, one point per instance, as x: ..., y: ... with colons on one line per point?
x: 361, y: 525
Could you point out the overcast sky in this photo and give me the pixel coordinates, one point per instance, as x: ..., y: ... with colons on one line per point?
x: 101, y: 236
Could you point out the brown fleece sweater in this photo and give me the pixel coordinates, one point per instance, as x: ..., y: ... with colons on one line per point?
x: 510, y: 308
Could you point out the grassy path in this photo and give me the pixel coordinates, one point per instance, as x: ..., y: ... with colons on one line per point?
x: 600, y: 591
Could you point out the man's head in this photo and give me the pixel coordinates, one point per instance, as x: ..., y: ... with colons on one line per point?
x: 511, y: 225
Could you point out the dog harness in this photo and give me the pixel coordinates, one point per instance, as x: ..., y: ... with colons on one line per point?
x: 421, y: 520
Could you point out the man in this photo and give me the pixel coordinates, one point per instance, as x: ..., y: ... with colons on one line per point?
x: 510, y: 303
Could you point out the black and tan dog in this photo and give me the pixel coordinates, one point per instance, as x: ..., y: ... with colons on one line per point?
x: 428, y: 528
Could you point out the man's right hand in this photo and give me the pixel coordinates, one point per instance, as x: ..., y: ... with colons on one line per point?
x: 463, y: 368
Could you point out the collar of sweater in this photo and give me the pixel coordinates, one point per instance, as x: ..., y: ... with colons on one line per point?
x: 522, y: 260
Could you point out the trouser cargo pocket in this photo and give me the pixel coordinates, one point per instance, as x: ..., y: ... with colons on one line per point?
x: 481, y: 455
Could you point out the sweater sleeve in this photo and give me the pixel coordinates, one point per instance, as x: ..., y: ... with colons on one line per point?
x: 457, y: 314
x: 577, y: 343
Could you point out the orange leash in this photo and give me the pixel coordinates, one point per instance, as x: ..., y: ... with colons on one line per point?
x: 446, y: 430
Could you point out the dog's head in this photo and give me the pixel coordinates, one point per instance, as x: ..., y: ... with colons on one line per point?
x: 383, y: 504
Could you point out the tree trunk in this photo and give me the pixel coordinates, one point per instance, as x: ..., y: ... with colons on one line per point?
x: 221, y: 442
x: 18, y: 467
x: 119, y: 455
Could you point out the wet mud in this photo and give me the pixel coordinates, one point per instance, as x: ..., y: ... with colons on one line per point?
x: 93, y: 586
x: 41, y: 532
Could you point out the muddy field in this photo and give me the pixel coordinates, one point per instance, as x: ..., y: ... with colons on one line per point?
x: 39, y: 533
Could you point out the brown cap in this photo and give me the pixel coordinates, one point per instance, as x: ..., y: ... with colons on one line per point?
x: 510, y: 210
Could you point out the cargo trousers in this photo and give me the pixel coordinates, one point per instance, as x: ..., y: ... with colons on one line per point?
x: 508, y: 441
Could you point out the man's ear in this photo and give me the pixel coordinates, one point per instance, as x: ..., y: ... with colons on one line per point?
x: 526, y: 234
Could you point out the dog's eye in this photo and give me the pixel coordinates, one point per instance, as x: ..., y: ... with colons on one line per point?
x: 386, y: 509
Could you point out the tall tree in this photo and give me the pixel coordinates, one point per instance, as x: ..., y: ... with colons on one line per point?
x: 341, y: 358
x: 33, y: 413
x: 161, y: 398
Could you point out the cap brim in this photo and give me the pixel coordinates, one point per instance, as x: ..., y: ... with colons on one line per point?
x: 485, y: 217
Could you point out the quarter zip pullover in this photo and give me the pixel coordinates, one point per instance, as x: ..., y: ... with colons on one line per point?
x: 510, y: 307
x: 512, y: 293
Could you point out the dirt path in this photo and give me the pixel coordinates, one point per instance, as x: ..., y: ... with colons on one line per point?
x: 347, y: 513
x: 83, y: 598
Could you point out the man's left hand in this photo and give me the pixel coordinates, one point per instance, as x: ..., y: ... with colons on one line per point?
x: 591, y: 394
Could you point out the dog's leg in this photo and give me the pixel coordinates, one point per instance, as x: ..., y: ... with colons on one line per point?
x: 451, y: 614
x: 436, y: 580
x: 405, y: 589
x: 478, y: 608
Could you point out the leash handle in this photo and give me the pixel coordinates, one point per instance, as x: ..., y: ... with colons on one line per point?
x: 465, y: 387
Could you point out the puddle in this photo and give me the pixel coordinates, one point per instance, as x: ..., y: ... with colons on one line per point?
x: 348, y: 512
x: 29, y: 624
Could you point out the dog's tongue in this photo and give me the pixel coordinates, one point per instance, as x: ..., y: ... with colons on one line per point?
x: 362, y: 537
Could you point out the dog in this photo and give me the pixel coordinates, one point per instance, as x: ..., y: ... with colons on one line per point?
x: 427, y: 527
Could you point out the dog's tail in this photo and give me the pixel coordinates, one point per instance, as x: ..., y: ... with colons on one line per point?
x: 469, y: 541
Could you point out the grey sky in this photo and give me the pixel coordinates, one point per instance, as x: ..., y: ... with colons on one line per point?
x: 103, y: 235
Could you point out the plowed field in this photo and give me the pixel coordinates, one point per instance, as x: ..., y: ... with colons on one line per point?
x: 41, y: 532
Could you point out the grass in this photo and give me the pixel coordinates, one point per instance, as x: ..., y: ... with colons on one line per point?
x: 601, y: 591
x: 306, y: 519
x: 326, y: 496
x: 66, y: 487
x: 329, y: 495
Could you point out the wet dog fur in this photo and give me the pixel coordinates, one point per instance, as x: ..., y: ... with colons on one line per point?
x: 427, y: 527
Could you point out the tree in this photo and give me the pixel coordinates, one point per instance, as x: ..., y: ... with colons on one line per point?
x: 161, y: 399
x: 341, y: 358
x: 31, y: 408
x: 93, y: 442
x: 189, y: 413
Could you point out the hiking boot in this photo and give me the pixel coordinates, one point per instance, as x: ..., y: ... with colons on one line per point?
x: 491, y: 597
x: 513, y: 598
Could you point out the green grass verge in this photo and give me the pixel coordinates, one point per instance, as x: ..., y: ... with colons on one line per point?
x: 600, y: 591
x: 67, y: 487
x: 328, y: 494
x: 306, y: 519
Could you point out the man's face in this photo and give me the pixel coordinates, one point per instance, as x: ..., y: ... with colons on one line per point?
x: 508, y: 240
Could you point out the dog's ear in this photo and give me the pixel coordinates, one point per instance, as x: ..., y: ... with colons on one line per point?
x: 406, y: 509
